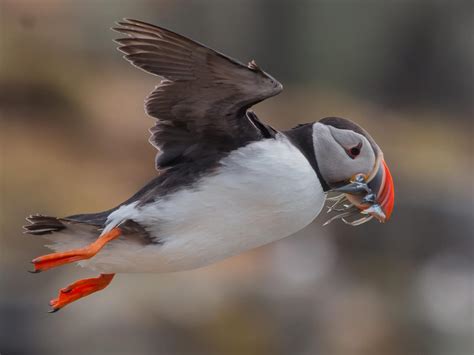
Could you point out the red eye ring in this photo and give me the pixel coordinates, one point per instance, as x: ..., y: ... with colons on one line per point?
x: 354, y: 151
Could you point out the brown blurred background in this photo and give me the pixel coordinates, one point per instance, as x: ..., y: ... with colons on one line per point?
x: 74, y: 139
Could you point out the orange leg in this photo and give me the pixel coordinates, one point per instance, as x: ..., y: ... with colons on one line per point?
x: 49, y: 261
x: 80, y: 289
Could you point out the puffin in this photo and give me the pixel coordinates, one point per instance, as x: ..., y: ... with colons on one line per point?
x: 226, y: 181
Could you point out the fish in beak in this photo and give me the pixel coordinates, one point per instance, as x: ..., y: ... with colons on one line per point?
x: 382, y: 186
x: 372, y: 196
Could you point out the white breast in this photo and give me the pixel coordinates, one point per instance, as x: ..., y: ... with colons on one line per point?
x: 264, y: 191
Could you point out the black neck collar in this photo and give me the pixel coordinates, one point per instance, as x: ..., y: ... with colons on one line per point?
x: 302, y: 137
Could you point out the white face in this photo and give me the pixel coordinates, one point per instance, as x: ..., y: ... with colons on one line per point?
x: 341, y: 153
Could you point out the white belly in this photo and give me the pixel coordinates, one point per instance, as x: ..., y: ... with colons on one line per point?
x: 264, y: 191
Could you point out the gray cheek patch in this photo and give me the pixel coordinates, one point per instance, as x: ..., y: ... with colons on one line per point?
x: 347, y: 139
x: 331, y: 157
x: 335, y: 165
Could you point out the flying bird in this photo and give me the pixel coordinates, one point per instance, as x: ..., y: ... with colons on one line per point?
x: 226, y: 183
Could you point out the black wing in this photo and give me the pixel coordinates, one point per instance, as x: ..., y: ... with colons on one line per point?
x: 201, y: 103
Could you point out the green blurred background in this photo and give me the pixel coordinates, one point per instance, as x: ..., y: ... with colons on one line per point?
x: 74, y: 135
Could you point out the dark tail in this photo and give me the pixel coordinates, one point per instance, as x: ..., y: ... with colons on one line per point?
x: 41, y: 225
x: 65, y: 233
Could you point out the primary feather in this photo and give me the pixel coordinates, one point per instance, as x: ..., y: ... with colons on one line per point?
x: 201, y: 103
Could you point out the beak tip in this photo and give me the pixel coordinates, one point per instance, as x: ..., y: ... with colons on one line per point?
x: 387, y: 193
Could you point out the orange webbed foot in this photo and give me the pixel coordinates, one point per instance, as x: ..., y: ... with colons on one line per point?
x: 80, y: 289
x: 49, y: 261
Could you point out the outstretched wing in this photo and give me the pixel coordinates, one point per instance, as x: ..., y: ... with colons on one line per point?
x: 201, y: 103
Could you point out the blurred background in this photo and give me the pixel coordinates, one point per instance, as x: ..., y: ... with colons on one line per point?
x: 73, y: 138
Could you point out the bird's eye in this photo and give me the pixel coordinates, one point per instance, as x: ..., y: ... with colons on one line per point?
x: 354, y: 151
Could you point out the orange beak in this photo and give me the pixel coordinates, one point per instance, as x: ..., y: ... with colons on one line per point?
x: 382, y: 185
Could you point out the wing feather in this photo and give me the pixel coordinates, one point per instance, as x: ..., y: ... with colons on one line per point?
x: 201, y: 103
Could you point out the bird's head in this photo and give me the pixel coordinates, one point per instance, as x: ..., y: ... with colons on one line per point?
x: 351, y: 162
